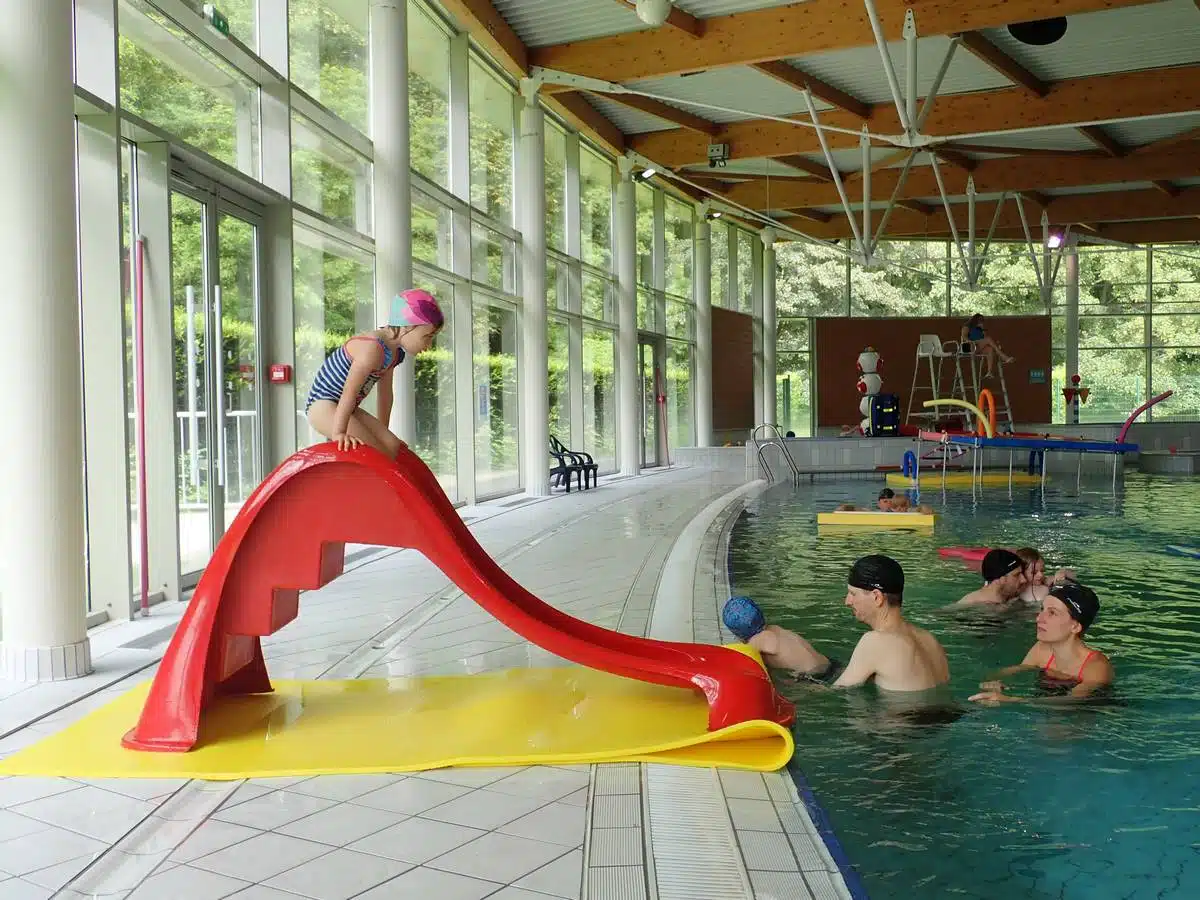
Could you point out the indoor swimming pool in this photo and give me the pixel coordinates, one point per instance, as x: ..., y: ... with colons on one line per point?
x: 1093, y: 802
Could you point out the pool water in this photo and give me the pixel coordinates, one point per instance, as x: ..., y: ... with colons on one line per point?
x: 1014, y: 802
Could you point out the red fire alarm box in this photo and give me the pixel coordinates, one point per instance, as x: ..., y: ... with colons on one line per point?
x: 280, y: 373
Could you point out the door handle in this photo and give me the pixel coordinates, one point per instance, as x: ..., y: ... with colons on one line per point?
x: 219, y: 359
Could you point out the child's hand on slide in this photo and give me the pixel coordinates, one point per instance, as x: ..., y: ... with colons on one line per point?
x: 346, y: 441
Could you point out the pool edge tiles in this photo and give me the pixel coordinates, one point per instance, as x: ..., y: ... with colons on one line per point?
x: 818, y: 823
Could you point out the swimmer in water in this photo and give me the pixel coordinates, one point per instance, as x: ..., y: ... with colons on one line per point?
x: 1037, y: 586
x: 889, y: 502
x: 1004, y: 580
x: 896, y: 654
x: 1061, y: 657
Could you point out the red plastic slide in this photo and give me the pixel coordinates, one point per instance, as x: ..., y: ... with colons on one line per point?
x: 290, y: 536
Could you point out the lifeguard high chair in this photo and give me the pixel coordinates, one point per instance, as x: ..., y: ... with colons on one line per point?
x: 932, y: 353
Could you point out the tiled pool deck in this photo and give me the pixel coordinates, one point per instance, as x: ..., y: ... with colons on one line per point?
x: 629, y: 555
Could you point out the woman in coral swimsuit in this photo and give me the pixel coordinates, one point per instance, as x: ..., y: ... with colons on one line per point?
x: 1061, y: 657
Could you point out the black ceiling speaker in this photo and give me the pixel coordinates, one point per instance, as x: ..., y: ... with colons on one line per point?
x: 1040, y: 32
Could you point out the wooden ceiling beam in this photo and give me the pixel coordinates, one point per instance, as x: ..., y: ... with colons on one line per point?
x: 1115, y: 206
x: 782, y: 32
x: 1104, y: 140
x: 589, y: 120
x: 678, y: 20
x: 793, y: 77
x: 804, y: 164
x: 1161, y: 231
x: 664, y: 111
x: 984, y: 50
x: 1125, y: 95
x: 1011, y: 174
x: 483, y: 22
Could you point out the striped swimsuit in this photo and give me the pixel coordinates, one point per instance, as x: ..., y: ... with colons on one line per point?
x: 332, y: 375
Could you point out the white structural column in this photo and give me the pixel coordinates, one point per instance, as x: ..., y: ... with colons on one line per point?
x: 756, y: 314
x: 1071, y: 321
x: 392, y: 197
x: 629, y: 432
x: 531, y: 207
x: 702, y: 281
x: 41, y: 463
x: 769, y: 328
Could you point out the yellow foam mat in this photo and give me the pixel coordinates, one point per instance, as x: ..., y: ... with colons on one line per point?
x: 515, y: 717
x: 962, y: 479
x: 876, y: 519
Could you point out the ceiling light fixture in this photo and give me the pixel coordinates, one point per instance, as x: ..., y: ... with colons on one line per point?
x: 654, y: 12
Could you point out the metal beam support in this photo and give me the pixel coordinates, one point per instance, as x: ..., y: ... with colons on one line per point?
x: 1037, y: 269
x: 887, y: 213
x: 837, y: 176
x: 991, y: 231
x: 927, y: 106
x: 869, y: 245
x: 970, y: 273
x: 937, y: 173
x: 888, y: 69
x: 910, y: 66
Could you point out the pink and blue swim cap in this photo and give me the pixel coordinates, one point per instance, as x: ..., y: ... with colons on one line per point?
x: 415, y: 307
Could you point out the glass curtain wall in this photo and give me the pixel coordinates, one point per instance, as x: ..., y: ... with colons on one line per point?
x: 1139, y: 315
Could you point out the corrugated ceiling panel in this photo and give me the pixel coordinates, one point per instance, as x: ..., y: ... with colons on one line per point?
x: 860, y: 71
x: 1039, y: 138
x: 539, y: 23
x: 706, y: 9
x: 748, y: 167
x: 747, y: 92
x: 630, y: 121
x: 1136, y: 132
x: 1119, y: 40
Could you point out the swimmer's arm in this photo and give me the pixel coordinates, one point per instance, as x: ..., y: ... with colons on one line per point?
x: 387, y: 397
x: 1034, y: 660
x: 863, y: 663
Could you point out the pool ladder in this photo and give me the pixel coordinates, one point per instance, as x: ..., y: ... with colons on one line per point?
x: 776, y: 441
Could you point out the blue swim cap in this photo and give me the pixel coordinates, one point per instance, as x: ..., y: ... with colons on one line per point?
x: 743, y: 617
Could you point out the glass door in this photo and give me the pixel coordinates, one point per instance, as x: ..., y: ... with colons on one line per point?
x: 650, y: 366
x: 215, y: 264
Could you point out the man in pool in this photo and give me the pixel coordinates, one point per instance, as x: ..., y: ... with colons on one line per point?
x: 898, y: 655
x: 889, y: 502
x: 1004, y: 580
x: 1066, y: 664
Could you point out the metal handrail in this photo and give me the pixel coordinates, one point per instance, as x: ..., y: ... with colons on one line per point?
x: 766, y: 466
x: 771, y: 425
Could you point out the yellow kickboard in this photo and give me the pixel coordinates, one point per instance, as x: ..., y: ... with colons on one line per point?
x: 537, y: 716
x: 962, y: 479
x: 877, y: 519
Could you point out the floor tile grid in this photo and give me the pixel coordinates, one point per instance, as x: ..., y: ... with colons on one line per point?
x: 374, y: 560
x: 784, y: 856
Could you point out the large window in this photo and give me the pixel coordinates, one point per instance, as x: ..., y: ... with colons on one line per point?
x: 497, y: 463
x: 173, y: 81
x: 556, y: 187
x: 745, y: 270
x: 680, y: 247
x: 719, y: 263
x: 793, y: 378
x: 334, y: 291
x: 327, y: 42
x: 428, y: 96
x: 433, y: 371
x: 559, y: 379
x: 330, y: 178
x: 491, y: 110
x: 1175, y: 354
x: 680, y: 422
x: 645, y: 234
x: 911, y: 283
x: 596, y: 181
x: 600, y: 396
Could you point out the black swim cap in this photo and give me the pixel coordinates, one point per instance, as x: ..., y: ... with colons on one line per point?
x: 887, y: 494
x: 999, y: 563
x: 877, y: 573
x: 1081, y: 602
